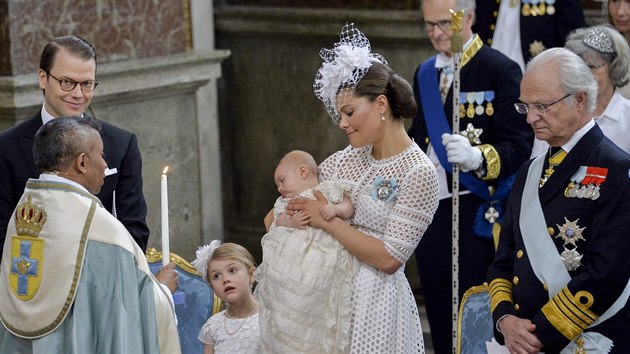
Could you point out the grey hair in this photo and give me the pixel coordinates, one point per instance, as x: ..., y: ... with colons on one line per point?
x: 62, y: 139
x: 466, y: 5
x: 575, y: 75
x: 618, y: 62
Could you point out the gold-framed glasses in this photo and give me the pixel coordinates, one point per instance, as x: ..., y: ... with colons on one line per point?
x: 69, y: 84
x: 524, y: 108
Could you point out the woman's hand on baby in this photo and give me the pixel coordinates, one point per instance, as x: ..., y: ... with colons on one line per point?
x: 328, y: 212
x: 299, y: 220
x: 310, y: 207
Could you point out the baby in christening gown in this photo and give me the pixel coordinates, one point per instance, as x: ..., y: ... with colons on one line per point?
x: 305, y: 278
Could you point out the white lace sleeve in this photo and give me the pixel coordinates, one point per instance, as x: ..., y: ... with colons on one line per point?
x: 413, y: 212
x: 328, y: 167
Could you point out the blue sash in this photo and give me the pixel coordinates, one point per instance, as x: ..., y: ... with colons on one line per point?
x: 437, y: 124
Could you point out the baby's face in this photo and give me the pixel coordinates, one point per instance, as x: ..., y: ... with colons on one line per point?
x: 288, y: 180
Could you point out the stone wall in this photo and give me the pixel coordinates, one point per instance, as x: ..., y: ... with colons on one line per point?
x: 155, y: 81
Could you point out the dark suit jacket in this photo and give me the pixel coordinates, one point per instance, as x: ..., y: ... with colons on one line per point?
x: 551, y: 30
x: 17, y: 165
x: 605, y: 266
x: 506, y: 130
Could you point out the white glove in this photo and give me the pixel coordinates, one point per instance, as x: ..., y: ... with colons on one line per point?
x: 459, y: 151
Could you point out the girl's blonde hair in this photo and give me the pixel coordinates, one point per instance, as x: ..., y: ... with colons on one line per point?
x: 234, y: 251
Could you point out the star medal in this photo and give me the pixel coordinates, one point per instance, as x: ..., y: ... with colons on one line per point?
x: 472, y: 134
x: 570, y: 232
x: 536, y: 47
x: 571, y: 259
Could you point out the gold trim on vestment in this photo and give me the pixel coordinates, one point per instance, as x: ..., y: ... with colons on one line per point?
x: 500, y: 290
x: 568, y: 315
x: 493, y: 161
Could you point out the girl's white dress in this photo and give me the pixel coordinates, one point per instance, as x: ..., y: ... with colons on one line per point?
x: 304, y: 285
x: 394, y: 200
x: 243, y: 340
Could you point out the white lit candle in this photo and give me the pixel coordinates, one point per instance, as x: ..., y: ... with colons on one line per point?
x: 165, y: 239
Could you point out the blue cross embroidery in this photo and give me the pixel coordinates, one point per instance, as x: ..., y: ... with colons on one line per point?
x: 24, y: 267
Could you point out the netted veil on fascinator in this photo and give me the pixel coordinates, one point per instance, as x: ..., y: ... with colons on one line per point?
x: 343, y: 67
x: 204, y: 253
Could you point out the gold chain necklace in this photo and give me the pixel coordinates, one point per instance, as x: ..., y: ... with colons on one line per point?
x: 225, y: 318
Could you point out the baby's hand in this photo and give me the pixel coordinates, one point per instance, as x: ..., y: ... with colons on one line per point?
x: 300, y: 219
x: 328, y: 212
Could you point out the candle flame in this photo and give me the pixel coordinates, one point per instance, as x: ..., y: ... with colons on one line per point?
x: 165, y: 170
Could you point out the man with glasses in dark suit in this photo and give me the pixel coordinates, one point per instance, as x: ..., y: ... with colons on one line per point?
x: 494, y: 143
x: 559, y: 280
x: 67, y: 77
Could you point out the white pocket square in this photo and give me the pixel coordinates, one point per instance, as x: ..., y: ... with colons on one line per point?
x: 109, y: 172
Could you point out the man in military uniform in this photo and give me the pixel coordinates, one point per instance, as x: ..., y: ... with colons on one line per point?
x: 495, y: 142
x: 560, y: 276
x: 521, y: 29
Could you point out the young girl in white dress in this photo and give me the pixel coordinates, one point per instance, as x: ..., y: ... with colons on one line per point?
x: 305, y: 278
x: 229, y: 269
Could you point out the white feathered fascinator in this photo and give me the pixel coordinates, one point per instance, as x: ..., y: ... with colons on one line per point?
x: 343, y: 67
x: 204, y: 253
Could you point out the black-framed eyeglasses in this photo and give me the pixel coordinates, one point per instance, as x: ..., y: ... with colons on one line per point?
x: 69, y: 84
x: 444, y: 25
x: 524, y: 108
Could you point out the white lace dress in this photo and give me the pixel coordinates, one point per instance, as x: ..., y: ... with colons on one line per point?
x: 243, y: 336
x: 304, y: 285
x: 394, y: 201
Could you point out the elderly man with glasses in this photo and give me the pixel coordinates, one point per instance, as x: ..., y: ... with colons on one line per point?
x: 67, y: 77
x: 495, y: 142
x: 559, y: 280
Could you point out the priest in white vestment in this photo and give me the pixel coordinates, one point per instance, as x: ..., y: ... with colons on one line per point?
x: 72, y: 279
